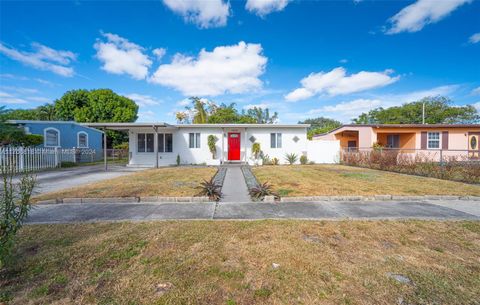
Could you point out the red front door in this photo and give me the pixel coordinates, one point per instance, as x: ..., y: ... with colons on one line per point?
x: 233, y: 146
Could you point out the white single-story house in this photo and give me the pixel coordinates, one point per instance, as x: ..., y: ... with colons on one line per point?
x: 160, y: 144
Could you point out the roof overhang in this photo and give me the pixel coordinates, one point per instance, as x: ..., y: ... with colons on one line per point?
x: 127, y: 126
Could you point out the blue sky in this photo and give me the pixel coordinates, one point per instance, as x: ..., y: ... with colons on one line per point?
x: 300, y: 58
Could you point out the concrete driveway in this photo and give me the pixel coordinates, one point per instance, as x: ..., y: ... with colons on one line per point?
x: 51, y: 181
x: 70, y: 213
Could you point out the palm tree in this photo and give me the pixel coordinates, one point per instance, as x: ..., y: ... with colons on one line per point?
x: 47, y: 112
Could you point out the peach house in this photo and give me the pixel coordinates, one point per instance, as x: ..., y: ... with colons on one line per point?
x: 460, y: 139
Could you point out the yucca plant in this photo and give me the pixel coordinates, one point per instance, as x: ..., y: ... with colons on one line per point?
x: 291, y: 158
x: 210, y: 189
x: 260, y: 191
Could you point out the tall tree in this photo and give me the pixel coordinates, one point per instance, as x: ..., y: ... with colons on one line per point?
x: 262, y: 116
x: 46, y: 112
x: 200, y: 116
x: 320, y: 125
x: 438, y: 110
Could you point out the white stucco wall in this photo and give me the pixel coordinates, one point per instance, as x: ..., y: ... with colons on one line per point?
x: 321, y: 151
x: 203, y: 155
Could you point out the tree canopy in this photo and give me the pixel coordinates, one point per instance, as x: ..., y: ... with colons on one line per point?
x: 320, y: 125
x: 98, y: 105
x: 203, y: 111
x: 12, y: 135
x: 438, y: 110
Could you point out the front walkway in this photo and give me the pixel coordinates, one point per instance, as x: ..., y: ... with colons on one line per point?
x: 234, y: 186
x: 328, y: 210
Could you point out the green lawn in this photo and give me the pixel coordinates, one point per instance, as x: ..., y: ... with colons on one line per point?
x: 222, y: 262
x: 318, y: 180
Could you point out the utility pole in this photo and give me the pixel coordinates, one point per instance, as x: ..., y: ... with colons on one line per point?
x: 423, y: 113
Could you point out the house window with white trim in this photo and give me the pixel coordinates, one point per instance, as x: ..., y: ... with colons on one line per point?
x: 52, y: 137
x: 433, y: 140
x: 165, y: 142
x: 194, y: 140
x: 82, y: 140
x: 276, y: 140
x: 145, y: 142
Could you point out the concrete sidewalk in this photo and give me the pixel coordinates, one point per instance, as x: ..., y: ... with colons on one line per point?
x: 71, y: 213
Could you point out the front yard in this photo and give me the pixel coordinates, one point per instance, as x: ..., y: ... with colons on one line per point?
x: 171, y: 181
x: 331, y: 180
x: 221, y: 262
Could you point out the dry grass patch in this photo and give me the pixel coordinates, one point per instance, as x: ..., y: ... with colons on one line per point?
x: 221, y: 262
x: 169, y: 181
x: 331, y: 180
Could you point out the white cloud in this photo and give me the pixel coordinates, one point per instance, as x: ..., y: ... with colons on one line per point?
x: 143, y: 100
x: 120, y: 56
x: 477, y: 105
x: 185, y: 102
x: 475, y: 38
x: 476, y: 91
x: 417, y: 15
x: 260, y: 105
x: 146, y: 116
x: 343, y: 61
x: 336, y: 82
x: 226, y: 69
x: 15, y: 98
x: 43, y: 58
x: 203, y: 13
x: 159, y: 53
x: 265, y: 7
x: 347, y: 110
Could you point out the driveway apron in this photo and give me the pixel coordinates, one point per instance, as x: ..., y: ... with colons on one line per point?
x: 234, y: 186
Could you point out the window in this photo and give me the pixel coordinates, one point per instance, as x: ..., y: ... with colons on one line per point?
x: 276, y: 140
x: 194, y: 140
x: 165, y: 142
x: 145, y: 142
x: 82, y: 140
x: 393, y: 141
x: 52, y: 137
x: 433, y: 140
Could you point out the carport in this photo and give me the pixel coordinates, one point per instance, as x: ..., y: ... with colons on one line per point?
x: 126, y: 127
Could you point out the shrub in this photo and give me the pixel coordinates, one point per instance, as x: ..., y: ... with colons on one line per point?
x: 303, y: 159
x: 212, y: 141
x: 265, y: 159
x: 14, y: 207
x: 256, y: 150
x: 123, y: 146
x: 210, y: 189
x: 291, y: 158
x: 260, y: 191
x: 275, y: 161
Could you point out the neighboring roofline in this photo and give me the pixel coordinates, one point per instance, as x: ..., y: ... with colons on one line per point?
x: 51, y: 122
x: 378, y: 126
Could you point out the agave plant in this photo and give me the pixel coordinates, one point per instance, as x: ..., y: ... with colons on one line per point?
x: 291, y: 158
x: 210, y: 189
x: 260, y: 191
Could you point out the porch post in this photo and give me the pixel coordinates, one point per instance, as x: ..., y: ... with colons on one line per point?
x: 245, y: 145
x: 155, y: 145
x: 223, y: 146
x: 105, y: 148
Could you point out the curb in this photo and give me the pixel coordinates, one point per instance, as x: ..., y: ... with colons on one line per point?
x: 377, y: 198
x: 125, y: 200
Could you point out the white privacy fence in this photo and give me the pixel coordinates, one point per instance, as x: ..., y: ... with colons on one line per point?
x: 21, y: 159
x: 320, y: 151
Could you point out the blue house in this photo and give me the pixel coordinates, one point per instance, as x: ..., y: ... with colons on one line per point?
x: 63, y: 134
